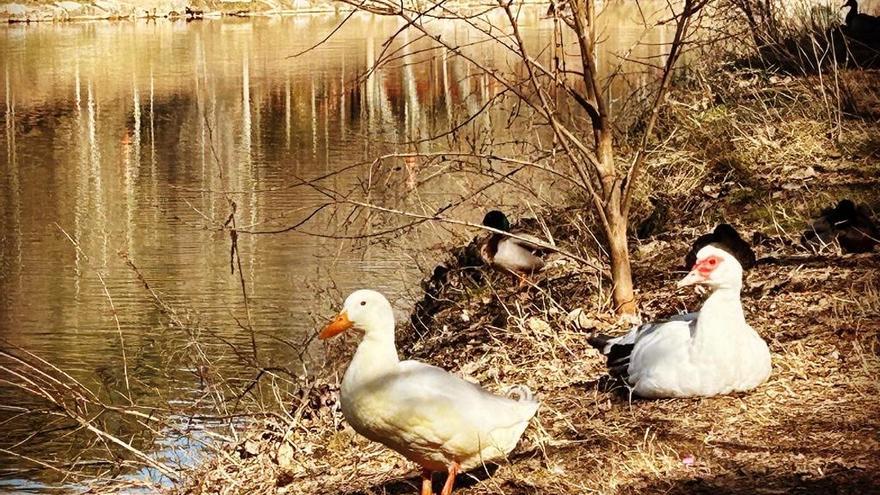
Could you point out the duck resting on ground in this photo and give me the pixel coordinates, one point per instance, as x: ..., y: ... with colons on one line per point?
x: 859, y: 25
x: 431, y: 417
x: 850, y: 225
x: 712, y: 352
x: 514, y: 255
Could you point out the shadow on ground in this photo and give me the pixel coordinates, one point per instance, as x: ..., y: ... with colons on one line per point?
x: 847, y: 481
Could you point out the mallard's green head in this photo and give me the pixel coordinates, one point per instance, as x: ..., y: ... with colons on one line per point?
x: 496, y: 220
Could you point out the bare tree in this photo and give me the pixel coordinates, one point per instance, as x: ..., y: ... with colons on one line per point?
x: 613, y: 199
x: 565, y: 94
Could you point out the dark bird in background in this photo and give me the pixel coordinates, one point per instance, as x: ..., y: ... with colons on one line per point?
x: 861, y: 26
x: 850, y: 225
x: 727, y: 238
x: 556, y: 6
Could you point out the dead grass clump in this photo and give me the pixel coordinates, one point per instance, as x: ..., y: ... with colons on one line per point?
x: 794, y: 37
x: 763, y: 150
x: 307, y: 451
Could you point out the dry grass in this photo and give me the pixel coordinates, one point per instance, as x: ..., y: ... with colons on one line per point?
x: 763, y: 150
x: 814, y: 427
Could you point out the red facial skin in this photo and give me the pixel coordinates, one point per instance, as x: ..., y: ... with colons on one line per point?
x: 706, y: 265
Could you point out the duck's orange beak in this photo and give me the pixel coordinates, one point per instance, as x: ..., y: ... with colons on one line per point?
x: 339, y: 324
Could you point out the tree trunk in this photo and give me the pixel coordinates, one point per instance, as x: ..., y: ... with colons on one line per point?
x: 621, y: 273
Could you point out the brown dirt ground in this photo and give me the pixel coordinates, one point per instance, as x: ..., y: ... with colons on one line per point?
x: 813, y: 428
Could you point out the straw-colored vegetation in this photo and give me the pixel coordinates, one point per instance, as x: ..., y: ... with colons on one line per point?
x: 761, y: 149
x: 763, y: 152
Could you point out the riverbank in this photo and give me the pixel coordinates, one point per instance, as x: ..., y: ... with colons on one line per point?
x: 110, y: 10
x: 113, y: 10
x: 764, y: 152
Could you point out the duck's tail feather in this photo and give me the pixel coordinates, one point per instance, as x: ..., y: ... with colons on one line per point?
x: 616, y: 349
x: 601, y: 342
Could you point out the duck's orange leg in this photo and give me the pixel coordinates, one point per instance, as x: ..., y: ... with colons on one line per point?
x: 426, y: 483
x: 450, y: 479
x: 523, y: 280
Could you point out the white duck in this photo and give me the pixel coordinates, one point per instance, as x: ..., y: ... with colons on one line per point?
x: 712, y: 352
x: 428, y: 415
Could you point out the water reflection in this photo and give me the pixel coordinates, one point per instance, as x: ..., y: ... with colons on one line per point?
x: 10, y: 263
x: 137, y: 139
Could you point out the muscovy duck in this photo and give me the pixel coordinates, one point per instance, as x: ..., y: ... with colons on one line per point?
x: 712, y: 352
x: 726, y: 235
x: 428, y: 415
x: 515, y: 255
x: 850, y: 225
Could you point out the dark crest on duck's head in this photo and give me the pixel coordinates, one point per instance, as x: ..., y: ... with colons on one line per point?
x: 727, y: 238
x: 496, y: 220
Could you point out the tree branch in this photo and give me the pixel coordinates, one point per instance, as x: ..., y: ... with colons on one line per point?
x: 691, y: 7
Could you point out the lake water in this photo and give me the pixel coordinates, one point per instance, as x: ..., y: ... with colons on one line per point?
x: 136, y: 141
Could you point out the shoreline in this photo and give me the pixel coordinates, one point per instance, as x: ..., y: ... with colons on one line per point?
x: 61, y: 12
x: 47, y: 17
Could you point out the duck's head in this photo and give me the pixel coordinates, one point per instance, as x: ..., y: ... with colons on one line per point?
x: 845, y: 210
x: 850, y: 3
x: 714, y: 268
x: 496, y: 220
x: 365, y: 310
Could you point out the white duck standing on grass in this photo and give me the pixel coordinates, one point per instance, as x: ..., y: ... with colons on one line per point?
x: 431, y: 417
x: 712, y: 352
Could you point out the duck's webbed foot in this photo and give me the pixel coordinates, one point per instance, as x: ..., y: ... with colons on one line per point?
x: 523, y: 279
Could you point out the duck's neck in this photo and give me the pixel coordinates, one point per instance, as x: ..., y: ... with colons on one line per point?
x: 721, y: 314
x: 851, y: 15
x: 375, y: 356
x: 492, y: 244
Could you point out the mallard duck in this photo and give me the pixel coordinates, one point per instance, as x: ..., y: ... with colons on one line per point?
x: 712, y: 352
x: 426, y: 414
x: 515, y: 255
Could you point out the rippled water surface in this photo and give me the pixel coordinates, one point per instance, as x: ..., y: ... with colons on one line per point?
x: 131, y: 144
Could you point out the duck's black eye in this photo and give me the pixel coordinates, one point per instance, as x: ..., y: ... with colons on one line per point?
x: 363, y: 303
